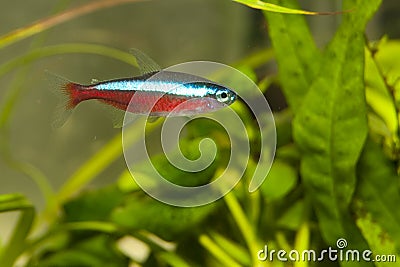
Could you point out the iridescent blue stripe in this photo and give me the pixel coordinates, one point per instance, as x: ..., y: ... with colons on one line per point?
x: 190, y: 89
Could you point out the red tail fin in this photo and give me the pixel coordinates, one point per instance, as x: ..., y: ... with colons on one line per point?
x: 70, y: 91
x: 66, y: 92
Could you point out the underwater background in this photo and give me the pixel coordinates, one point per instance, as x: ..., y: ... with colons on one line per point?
x: 36, y: 157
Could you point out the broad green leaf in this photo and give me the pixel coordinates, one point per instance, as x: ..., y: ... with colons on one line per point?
x: 294, y: 216
x: 378, y: 239
x: 331, y: 127
x: 168, y: 222
x: 70, y: 258
x: 258, y: 4
x: 126, y: 183
x: 281, y: 179
x: 95, y: 251
x: 92, y: 206
x: 190, y: 149
x: 283, y: 124
x: 295, y: 51
x: 378, y: 190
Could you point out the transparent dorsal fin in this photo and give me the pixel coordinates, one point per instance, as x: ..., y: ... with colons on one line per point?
x: 145, y: 63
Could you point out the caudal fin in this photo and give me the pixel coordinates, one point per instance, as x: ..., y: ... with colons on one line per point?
x: 64, y: 89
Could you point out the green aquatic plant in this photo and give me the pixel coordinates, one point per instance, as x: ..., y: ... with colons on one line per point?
x: 335, y: 175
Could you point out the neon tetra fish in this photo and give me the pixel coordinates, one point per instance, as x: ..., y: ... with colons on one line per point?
x: 155, y: 92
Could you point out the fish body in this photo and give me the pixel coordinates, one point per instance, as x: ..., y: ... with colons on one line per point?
x: 155, y: 93
x: 179, y: 93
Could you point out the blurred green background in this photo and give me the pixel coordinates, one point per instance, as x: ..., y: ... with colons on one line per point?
x: 170, y: 32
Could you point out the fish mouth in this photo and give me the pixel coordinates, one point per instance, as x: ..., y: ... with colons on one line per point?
x: 232, y: 98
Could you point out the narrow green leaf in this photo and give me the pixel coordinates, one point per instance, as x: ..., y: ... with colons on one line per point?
x: 61, y: 49
x: 256, y: 59
x: 44, y: 24
x: 302, y: 242
x: 378, y: 189
x: 12, y: 202
x: 244, y: 225
x: 387, y: 56
x: 258, y: 4
x: 217, y: 251
x: 382, y: 73
x: 377, y: 93
x: 17, y: 243
x: 331, y: 128
x: 99, y: 226
x: 295, y: 51
x: 172, y: 259
x: 233, y: 249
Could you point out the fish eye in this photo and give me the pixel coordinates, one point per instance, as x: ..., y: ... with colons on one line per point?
x: 222, y: 96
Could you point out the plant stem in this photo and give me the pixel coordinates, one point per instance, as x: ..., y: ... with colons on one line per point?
x: 12, y: 250
x: 52, y: 21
